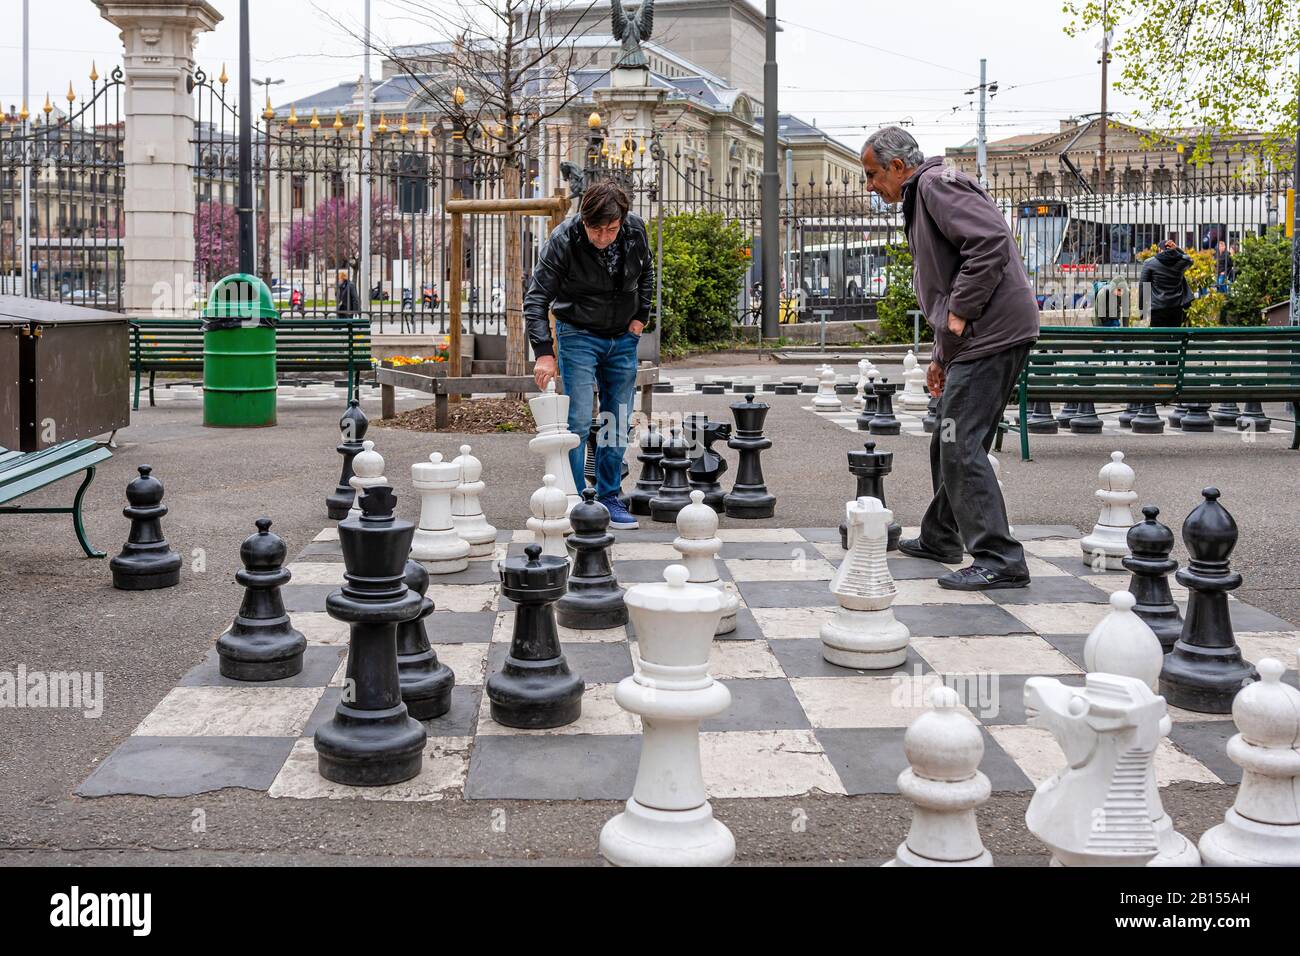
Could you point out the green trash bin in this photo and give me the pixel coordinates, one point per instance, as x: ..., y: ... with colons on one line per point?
x: 239, y: 354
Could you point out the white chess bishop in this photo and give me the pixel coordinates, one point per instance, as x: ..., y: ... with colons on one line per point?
x: 436, y: 544
x: 367, y: 472
x: 698, y: 543
x: 550, y: 521
x: 668, y: 820
x: 913, y: 396
x: 826, y: 400
x: 944, y: 784
x: 1107, y: 546
x: 1097, y: 810
x: 1262, y: 827
x: 864, y: 634
x: 554, y: 441
x: 467, y: 508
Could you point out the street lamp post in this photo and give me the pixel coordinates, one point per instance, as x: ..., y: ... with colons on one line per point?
x: 771, y: 265
x: 268, y: 114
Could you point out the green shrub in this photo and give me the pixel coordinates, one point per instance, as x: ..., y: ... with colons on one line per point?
x: 705, y: 259
x: 891, y: 311
x: 1263, y: 276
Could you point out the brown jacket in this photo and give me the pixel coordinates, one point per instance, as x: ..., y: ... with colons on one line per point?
x: 965, y: 261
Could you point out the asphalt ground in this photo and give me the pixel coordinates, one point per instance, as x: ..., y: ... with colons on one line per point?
x: 58, y: 611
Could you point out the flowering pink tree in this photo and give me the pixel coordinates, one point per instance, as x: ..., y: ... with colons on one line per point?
x: 216, y: 240
x: 332, y: 233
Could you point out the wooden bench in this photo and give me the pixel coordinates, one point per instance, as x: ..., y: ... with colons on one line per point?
x: 301, y: 345
x: 1160, y: 366
x: 24, y: 472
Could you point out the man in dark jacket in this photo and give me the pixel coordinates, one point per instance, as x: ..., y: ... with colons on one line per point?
x: 596, y: 273
x: 347, y: 302
x: 973, y: 288
x: 1164, y: 285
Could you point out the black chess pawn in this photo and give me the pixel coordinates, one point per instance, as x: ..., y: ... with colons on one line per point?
x: 1085, y: 420
x: 870, y: 468
x: 1175, y: 416
x: 749, y: 497
x: 594, y: 601
x: 1147, y: 421
x: 1130, y: 412
x: 652, y: 475
x: 352, y: 427
x: 372, y: 740
x: 1253, y: 418
x: 1149, y: 544
x: 868, y: 405
x: 931, y: 420
x: 426, y: 682
x: 674, y: 492
x: 1205, y: 669
x: 535, y: 688
x: 1197, y: 417
x: 884, y: 422
x: 146, y: 561
x: 261, y: 644
x: 1226, y: 415
x: 1040, y: 420
x: 1068, y: 411
x: 706, y: 464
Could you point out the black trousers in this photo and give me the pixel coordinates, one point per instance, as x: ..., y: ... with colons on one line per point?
x: 1169, y: 318
x: 967, y: 509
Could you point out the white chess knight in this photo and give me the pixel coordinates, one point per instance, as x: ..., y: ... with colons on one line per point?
x: 1097, y: 810
x: 860, y: 385
x: 826, y: 400
x: 554, y: 441
x: 668, y: 820
x: 367, y: 472
x: 550, y: 521
x: 436, y: 544
x: 913, y: 396
x: 698, y: 543
x: 997, y: 476
x: 864, y: 634
x: 467, y: 508
x: 944, y: 784
x: 1107, y: 546
x: 1262, y: 827
x: 1123, y: 644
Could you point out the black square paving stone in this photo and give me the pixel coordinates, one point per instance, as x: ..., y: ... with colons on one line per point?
x: 595, y: 663
x: 185, y: 766
x: 480, y: 571
x: 465, y: 627
x: 319, y: 662
x: 644, y: 571
x: 462, y: 719
x: 787, y: 593
x: 759, y: 704
x: 553, y: 767
x: 904, y: 568
x: 306, y: 597
x: 999, y: 698
x: 1207, y: 741
x: 766, y: 550
x: 1071, y: 645
x: 820, y: 535
x: 802, y: 657
x: 958, y: 620
x: 324, y: 710
x: 869, y: 760
x: 1052, y: 589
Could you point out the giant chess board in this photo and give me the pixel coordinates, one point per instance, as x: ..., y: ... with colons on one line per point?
x: 796, y: 723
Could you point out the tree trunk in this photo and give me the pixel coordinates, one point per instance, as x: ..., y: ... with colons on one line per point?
x: 516, y: 344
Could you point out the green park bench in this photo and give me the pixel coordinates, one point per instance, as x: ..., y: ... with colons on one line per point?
x: 1160, y: 366
x: 24, y: 472
x: 301, y: 345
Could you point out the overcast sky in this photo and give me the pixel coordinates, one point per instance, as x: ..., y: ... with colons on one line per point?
x: 848, y: 64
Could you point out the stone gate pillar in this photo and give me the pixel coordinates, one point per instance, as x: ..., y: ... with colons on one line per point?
x: 158, y: 47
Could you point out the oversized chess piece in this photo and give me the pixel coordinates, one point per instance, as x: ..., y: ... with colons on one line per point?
x: 674, y: 492
x: 1096, y: 811
x: 870, y: 468
x: 1107, y: 546
x: 1150, y: 544
x: 913, y: 396
x: 550, y: 521
x: 146, y: 561
x: 261, y: 644
x: 1175, y: 417
x: 707, y: 465
x: 944, y: 785
x: 651, y: 457
x: 1253, y: 418
x: 1197, y: 418
x: 749, y: 497
x: 931, y: 420
x: 594, y: 601
x: 554, y: 441
x: 997, y: 476
x: 467, y: 508
x: 864, y: 634
x: 437, y: 542
x: 668, y: 821
x: 884, y: 422
x: 1041, y: 421
x: 860, y: 384
x: 698, y: 543
x: 1085, y: 420
x: 1205, y: 669
x: 1126, y: 417
x: 535, y: 688
x: 827, y: 401
x: 372, y: 740
x: 869, y: 405
x: 1068, y: 411
x: 1262, y: 827
x: 368, y: 472
x: 426, y: 682
x: 352, y: 427
x: 1226, y: 415
x: 1147, y: 421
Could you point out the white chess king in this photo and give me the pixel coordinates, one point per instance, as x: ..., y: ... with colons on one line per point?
x: 554, y: 441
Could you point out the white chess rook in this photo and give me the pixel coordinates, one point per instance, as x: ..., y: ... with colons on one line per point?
x: 864, y: 634
x: 467, y: 508
x: 826, y: 400
x: 698, y: 543
x: 1107, y: 546
x: 550, y: 521
x: 943, y: 782
x: 668, y: 820
x: 554, y: 441
x: 436, y: 544
x: 367, y: 472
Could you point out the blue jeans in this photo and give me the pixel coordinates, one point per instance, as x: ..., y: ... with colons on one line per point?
x: 588, y: 362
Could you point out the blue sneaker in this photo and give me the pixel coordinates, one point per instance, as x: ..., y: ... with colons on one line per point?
x: 619, y: 517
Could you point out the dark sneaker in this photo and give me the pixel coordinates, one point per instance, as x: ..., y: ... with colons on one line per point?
x: 976, y: 578
x: 620, y: 518
x: 913, y: 548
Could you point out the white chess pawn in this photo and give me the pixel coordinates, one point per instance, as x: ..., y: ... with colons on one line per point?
x: 864, y: 634
x: 436, y: 544
x: 367, y: 472
x: 698, y: 543
x: 467, y: 508
x: 554, y: 440
x: 550, y: 521
x: 913, y: 396
x: 668, y: 820
x: 1262, y: 827
x: 826, y: 400
x: 943, y: 781
x: 1107, y: 546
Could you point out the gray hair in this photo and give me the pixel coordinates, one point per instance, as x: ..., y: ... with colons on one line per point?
x: 893, y: 142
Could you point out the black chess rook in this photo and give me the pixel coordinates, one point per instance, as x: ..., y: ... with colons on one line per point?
x: 261, y: 644
x: 870, y: 467
x: 884, y: 422
x: 749, y: 497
